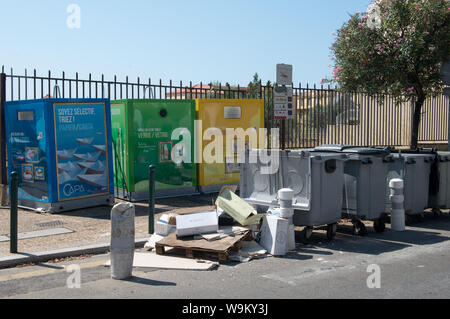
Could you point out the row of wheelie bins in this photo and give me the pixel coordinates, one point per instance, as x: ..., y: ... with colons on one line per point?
x: 332, y: 182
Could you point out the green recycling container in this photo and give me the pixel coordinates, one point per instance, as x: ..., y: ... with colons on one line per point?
x: 153, y: 132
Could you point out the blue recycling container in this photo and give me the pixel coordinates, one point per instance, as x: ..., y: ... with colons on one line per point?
x: 62, y: 150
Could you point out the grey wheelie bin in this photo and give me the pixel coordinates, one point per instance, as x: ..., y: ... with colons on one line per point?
x: 414, y: 168
x: 317, y: 180
x: 365, y: 185
x: 260, y: 178
x: 439, y: 183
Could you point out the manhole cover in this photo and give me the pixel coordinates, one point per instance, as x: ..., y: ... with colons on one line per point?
x: 51, y: 224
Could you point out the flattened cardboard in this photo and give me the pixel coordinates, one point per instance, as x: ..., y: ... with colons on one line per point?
x: 237, y: 208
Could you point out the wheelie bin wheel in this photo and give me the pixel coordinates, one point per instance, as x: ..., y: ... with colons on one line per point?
x: 306, y: 234
x: 421, y: 217
x: 331, y: 231
x: 359, y: 228
x: 379, y: 225
x: 408, y: 219
x: 436, y: 213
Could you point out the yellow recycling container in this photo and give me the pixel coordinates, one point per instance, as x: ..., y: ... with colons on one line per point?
x: 215, y: 115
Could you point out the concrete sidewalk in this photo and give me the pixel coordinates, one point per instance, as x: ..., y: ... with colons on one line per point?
x: 90, y: 228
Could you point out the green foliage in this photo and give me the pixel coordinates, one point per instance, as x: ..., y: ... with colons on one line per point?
x: 397, y: 48
x: 254, y: 87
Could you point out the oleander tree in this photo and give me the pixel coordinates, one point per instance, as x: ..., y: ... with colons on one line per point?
x: 397, y: 47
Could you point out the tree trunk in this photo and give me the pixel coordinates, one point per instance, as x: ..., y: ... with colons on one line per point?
x: 416, y: 122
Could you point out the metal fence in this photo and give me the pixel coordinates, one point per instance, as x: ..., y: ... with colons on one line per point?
x: 323, y: 114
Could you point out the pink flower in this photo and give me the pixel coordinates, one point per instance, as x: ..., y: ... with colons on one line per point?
x: 411, y: 89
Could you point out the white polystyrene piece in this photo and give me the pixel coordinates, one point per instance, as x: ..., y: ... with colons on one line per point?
x: 290, y: 244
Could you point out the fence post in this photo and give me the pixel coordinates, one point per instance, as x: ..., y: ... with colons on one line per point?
x: 3, y: 171
x: 151, y: 199
x: 447, y: 93
x: 13, y: 212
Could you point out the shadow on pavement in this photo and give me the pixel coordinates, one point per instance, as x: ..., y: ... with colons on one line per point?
x: 374, y: 243
x: 439, y: 223
x: 313, y: 252
x: 149, y: 282
x: 298, y: 255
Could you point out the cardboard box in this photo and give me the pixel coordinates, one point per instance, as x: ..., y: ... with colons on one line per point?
x: 162, y: 227
x: 274, y: 235
x: 237, y: 208
x: 197, y: 224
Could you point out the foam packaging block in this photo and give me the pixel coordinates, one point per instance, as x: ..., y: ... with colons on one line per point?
x: 162, y: 227
x: 197, y: 224
x: 274, y: 235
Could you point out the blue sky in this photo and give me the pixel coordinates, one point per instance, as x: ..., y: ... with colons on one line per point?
x: 197, y: 40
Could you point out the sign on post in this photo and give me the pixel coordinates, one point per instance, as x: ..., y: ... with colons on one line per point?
x: 283, y: 102
x: 283, y: 97
x: 284, y: 74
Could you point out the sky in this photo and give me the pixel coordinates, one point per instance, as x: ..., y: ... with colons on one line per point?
x: 197, y: 40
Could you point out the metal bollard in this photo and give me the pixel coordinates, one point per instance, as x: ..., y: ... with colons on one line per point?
x: 13, y: 212
x: 397, y: 203
x: 285, y: 199
x: 151, y: 199
x: 122, y: 240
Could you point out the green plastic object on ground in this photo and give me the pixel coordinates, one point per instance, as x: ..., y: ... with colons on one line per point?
x: 237, y: 208
x: 142, y: 135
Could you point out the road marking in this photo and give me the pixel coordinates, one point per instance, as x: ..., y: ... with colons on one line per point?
x: 43, y: 272
x: 293, y: 279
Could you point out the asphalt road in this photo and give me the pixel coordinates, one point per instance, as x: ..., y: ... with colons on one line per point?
x: 412, y: 264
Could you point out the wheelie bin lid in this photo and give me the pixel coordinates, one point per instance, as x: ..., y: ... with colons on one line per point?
x: 353, y: 150
x: 444, y: 156
x: 419, y: 151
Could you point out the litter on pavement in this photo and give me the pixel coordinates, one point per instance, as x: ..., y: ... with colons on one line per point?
x: 152, y: 260
x: 201, y: 234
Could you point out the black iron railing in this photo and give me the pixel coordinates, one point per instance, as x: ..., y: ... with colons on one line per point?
x: 323, y: 114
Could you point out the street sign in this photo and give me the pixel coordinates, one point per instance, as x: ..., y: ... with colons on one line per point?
x: 283, y: 102
x: 445, y: 72
x: 284, y: 74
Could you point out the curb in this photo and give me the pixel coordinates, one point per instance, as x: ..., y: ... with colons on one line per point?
x: 27, y: 258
